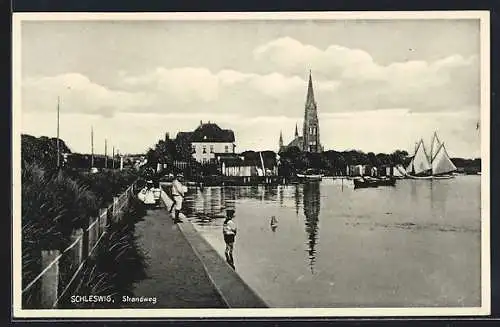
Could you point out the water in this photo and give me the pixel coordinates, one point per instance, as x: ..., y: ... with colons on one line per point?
x: 413, y: 245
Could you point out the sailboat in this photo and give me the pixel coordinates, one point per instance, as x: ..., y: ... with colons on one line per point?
x: 436, y: 165
x: 398, y: 172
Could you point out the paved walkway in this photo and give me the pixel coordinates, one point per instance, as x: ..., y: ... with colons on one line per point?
x: 176, y: 276
x: 184, y: 271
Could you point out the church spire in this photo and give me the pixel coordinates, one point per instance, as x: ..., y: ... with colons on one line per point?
x: 310, y: 91
x: 296, y: 131
x: 310, y: 134
x: 281, y: 140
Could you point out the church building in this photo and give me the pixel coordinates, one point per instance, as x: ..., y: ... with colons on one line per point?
x: 310, y: 140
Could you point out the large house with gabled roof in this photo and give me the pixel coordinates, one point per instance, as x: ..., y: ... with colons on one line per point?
x: 207, y: 140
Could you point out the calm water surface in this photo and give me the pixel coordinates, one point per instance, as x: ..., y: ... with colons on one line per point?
x: 416, y: 244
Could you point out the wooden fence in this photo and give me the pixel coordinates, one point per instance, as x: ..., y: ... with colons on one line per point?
x: 60, y: 269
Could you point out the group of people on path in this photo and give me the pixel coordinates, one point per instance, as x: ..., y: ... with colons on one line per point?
x: 228, y: 229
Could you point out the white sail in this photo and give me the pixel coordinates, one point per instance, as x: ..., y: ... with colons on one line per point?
x: 421, y: 162
x: 398, y: 171
x: 435, y: 144
x: 409, y: 168
x: 442, y: 163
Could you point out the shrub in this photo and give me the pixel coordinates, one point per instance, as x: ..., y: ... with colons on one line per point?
x: 108, y: 183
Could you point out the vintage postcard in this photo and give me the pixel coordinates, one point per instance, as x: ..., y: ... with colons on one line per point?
x: 251, y: 164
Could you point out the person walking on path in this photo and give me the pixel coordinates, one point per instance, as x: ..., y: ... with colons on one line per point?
x: 229, y: 232
x: 178, y: 193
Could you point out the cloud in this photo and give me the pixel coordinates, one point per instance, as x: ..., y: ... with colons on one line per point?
x: 78, y: 94
x: 183, y: 89
x: 344, y: 80
x: 363, y: 84
x: 290, y: 55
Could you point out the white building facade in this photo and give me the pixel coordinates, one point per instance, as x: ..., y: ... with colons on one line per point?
x: 209, y: 139
x: 204, y: 152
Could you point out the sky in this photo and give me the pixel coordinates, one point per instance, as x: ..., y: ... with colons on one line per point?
x: 380, y: 85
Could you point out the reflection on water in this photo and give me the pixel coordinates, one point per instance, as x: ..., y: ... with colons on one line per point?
x: 297, y: 199
x: 367, y: 248
x: 207, y: 208
x: 311, y: 212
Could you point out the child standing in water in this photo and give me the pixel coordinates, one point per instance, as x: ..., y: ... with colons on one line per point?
x: 229, y: 231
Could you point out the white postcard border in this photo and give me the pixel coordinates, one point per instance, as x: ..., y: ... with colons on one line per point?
x: 485, y: 308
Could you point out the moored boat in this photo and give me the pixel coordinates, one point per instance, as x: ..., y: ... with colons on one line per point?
x: 365, y: 182
x: 435, y: 165
x: 310, y: 174
x: 387, y: 181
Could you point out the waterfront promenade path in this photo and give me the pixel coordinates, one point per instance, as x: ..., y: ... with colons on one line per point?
x: 184, y: 271
x: 176, y: 276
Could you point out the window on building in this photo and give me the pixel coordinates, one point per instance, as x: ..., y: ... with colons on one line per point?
x: 193, y: 148
x: 211, y: 149
x: 226, y: 148
x: 204, y: 149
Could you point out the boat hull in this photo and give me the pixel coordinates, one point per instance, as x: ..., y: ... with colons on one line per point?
x: 431, y: 177
x: 375, y: 182
x: 358, y: 183
x: 310, y: 177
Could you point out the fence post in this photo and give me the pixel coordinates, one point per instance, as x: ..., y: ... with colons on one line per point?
x: 115, y: 208
x: 92, y: 237
x: 103, y: 215
x: 78, y: 250
x: 109, y: 215
x: 49, y: 280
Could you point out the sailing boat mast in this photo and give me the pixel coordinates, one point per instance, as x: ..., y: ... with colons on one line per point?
x: 92, y: 146
x: 57, y: 141
x: 262, y: 163
x: 105, y: 153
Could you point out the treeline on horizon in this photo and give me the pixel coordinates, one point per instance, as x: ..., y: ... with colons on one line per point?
x: 292, y: 159
x: 44, y: 149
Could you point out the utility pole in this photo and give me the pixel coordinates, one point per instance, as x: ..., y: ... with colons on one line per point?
x: 57, y: 141
x: 92, y: 146
x: 106, y: 153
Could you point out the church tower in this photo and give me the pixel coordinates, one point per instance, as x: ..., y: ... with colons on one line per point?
x: 281, y: 141
x: 310, y: 131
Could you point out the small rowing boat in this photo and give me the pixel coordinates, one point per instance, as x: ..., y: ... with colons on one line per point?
x: 366, y: 182
x: 310, y: 174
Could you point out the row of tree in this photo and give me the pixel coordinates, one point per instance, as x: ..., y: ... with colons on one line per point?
x: 290, y: 160
x: 293, y: 160
x: 42, y: 151
x: 169, y: 150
